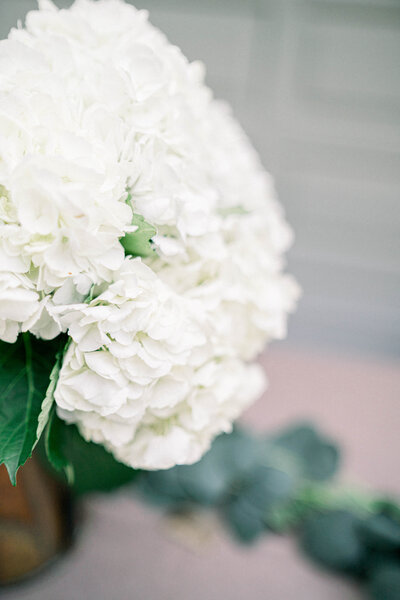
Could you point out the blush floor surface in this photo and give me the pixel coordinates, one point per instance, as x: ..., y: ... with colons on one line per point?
x: 129, y: 551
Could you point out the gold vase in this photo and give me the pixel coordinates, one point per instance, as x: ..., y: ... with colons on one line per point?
x: 36, y: 521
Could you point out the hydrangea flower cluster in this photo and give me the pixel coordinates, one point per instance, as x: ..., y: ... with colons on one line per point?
x: 101, y: 119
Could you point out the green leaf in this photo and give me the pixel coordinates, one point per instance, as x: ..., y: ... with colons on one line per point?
x: 380, y: 532
x: 163, y: 488
x: 207, y: 481
x: 233, y: 210
x: 54, y: 446
x: 385, y: 581
x: 48, y: 401
x: 230, y: 458
x: 139, y: 242
x: 25, y: 369
x: 249, y: 509
x: 317, y: 457
x: 245, y: 521
x: 88, y: 467
x: 331, y: 538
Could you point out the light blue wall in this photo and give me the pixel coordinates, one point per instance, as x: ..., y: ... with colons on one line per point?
x: 317, y: 86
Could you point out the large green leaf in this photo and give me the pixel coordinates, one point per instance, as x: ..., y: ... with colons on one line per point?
x: 48, y: 400
x: 25, y: 369
x: 138, y: 243
x: 54, y: 446
x: 88, y: 467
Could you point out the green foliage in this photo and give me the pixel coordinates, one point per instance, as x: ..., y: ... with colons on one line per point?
x: 208, y: 481
x: 380, y: 532
x: 366, y: 545
x: 331, y: 539
x: 244, y: 519
x: 248, y: 510
x: 257, y: 483
x: 282, y: 483
x: 48, y: 401
x: 25, y: 371
x: 384, y: 581
x: 54, y: 447
x: 316, y: 457
x: 139, y: 242
x: 86, y: 466
x: 233, y: 210
x: 29, y: 371
x: 254, y: 481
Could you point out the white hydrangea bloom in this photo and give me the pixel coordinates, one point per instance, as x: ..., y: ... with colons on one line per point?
x: 18, y: 302
x: 141, y: 376
x: 96, y: 105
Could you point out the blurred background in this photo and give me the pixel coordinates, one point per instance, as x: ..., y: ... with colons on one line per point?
x: 316, y: 85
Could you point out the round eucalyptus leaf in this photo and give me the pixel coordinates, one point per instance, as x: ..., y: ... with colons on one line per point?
x: 247, y: 511
x: 384, y: 583
x: 380, y: 532
x: 317, y: 457
x: 245, y: 520
x: 162, y: 488
x: 331, y: 539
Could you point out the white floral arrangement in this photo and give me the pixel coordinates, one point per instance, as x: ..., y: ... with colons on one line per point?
x: 139, y: 229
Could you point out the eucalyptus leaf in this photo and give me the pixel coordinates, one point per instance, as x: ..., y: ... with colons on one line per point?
x: 25, y: 369
x: 230, y: 458
x: 317, y: 457
x: 209, y: 480
x: 380, y: 532
x: 385, y: 581
x: 163, y: 488
x: 331, y: 539
x: 249, y: 508
x: 244, y: 520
